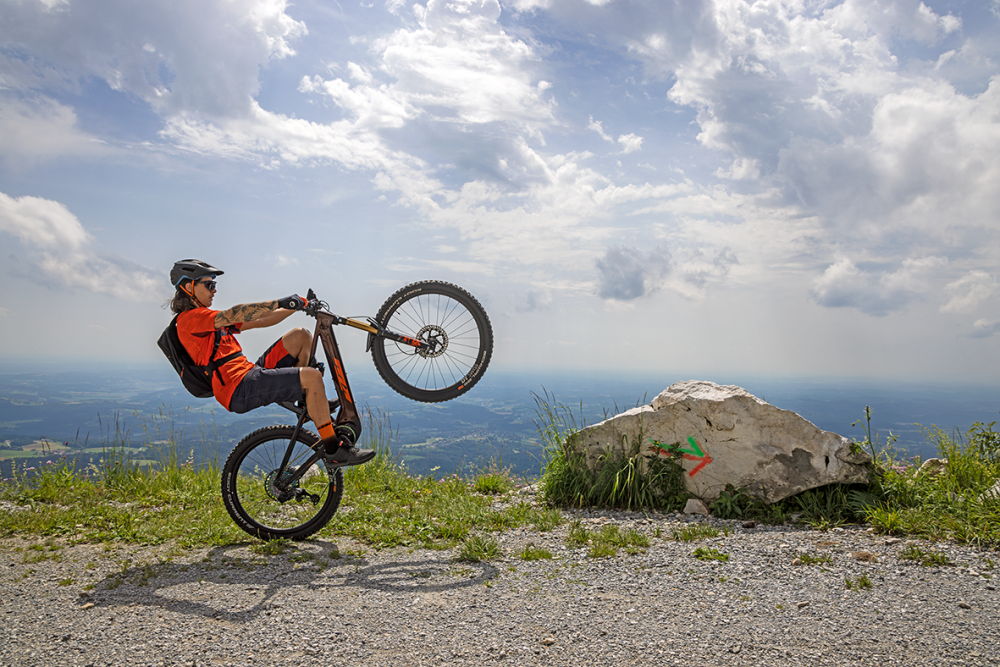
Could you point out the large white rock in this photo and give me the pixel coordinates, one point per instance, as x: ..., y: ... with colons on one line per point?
x: 729, y: 436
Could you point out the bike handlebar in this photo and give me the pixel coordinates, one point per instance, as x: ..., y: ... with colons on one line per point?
x: 314, y: 305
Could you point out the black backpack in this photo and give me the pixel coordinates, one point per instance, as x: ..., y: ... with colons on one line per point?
x: 197, y: 379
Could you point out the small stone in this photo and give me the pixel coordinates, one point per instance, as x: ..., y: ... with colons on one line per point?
x: 695, y: 506
x: 797, y: 561
x: 893, y: 540
x: 804, y: 603
x: 964, y: 605
x: 548, y: 641
x: 89, y: 605
x: 735, y: 649
x: 749, y: 524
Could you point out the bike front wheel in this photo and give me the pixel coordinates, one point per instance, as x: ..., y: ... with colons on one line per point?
x: 258, y: 501
x: 455, y: 326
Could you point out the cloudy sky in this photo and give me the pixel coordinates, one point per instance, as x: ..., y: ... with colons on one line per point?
x: 690, y: 187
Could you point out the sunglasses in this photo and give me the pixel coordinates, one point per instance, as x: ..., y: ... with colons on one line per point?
x: 209, y: 284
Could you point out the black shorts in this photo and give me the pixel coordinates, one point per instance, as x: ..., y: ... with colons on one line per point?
x: 274, y: 379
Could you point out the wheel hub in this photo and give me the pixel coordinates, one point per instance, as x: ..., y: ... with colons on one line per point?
x: 278, y: 491
x: 436, y: 338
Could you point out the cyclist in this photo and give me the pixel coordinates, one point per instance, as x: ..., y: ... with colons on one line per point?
x: 282, y: 373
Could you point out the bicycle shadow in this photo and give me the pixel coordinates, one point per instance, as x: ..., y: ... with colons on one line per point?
x: 234, y: 585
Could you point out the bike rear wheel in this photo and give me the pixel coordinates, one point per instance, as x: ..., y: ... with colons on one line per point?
x: 449, y: 318
x: 254, y: 497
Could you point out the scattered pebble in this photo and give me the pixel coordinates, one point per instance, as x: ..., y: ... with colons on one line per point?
x: 348, y: 603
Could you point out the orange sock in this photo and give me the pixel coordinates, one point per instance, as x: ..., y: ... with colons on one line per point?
x: 326, y: 430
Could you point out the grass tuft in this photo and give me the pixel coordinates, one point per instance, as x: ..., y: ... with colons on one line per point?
x: 648, y: 475
x: 531, y: 552
x: 710, y: 553
x: 478, y: 548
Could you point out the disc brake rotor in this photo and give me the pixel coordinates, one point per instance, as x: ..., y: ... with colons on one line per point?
x: 434, y: 336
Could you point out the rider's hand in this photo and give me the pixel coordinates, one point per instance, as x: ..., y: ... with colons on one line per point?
x: 293, y: 302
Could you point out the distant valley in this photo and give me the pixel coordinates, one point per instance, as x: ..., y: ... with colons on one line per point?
x: 44, y: 412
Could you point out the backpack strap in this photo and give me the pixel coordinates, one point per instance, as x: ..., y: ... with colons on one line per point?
x: 214, y: 364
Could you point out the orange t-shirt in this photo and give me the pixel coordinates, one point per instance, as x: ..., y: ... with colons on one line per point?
x: 196, y: 329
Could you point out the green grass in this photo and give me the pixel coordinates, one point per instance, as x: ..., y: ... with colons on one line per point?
x: 478, y: 548
x: 531, y: 552
x: 809, y: 559
x: 172, y: 500
x: 925, y: 558
x: 897, y: 500
x: 606, y: 541
x: 119, y: 500
x: 710, y: 553
x: 696, y: 531
x: 646, y: 474
x: 862, y: 582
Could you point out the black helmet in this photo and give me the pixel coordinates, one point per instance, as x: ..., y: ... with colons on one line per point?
x: 191, y: 269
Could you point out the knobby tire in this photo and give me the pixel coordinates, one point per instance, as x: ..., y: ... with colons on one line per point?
x: 454, y: 319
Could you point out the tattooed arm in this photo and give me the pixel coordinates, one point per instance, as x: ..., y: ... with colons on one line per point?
x: 245, y: 312
x: 268, y: 319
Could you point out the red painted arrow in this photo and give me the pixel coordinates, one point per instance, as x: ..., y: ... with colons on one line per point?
x: 696, y: 455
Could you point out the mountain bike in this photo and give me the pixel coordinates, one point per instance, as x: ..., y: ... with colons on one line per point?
x: 430, y: 341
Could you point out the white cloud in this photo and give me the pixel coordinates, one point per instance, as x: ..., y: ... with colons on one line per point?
x: 970, y: 290
x: 283, y: 260
x: 985, y: 328
x: 630, y: 143
x: 628, y: 273
x: 39, y: 128
x: 185, y: 56
x: 820, y: 122
x: 41, y: 222
x: 742, y: 169
x: 598, y: 127
x: 460, y: 64
x: 816, y: 101
x: 531, y: 300
x: 61, y: 251
x: 844, y: 285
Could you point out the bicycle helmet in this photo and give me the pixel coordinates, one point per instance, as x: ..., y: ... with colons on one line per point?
x: 191, y: 269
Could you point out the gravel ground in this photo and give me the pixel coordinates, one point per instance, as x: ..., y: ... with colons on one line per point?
x: 335, y: 602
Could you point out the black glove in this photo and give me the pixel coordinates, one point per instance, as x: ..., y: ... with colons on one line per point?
x: 293, y: 302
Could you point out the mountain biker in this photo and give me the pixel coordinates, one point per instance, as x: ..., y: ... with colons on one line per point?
x: 282, y: 373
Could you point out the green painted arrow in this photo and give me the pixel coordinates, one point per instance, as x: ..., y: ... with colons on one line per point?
x: 695, y: 448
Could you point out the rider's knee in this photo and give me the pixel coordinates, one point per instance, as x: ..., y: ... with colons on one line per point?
x: 310, y: 378
x: 297, y: 338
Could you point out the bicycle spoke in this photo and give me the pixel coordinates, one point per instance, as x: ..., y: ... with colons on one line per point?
x: 457, y: 335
